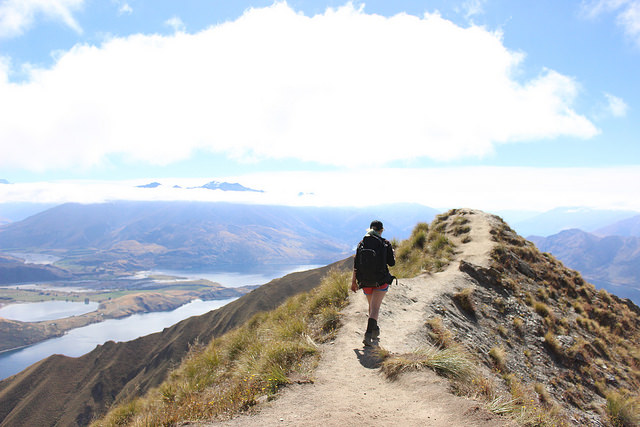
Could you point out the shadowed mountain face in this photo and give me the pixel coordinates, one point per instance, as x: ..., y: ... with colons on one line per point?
x: 13, y: 270
x: 181, y: 235
x: 612, y: 262
x: 65, y: 391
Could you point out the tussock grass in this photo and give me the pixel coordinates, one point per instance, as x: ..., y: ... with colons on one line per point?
x: 465, y: 301
x: 525, y: 406
x: 553, y: 344
x: 232, y: 372
x: 499, y: 357
x: 450, y: 362
x: 439, y: 334
x: 623, y: 409
x: 518, y: 324
x: 427, y: 249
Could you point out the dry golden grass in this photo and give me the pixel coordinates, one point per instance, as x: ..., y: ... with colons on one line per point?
x: 499, y: 357
x: 233, y: 371
x: 451, y: 362
x: 427, y: 249
x: 623, y: 409
x: 465, y: 300
x: 439, y: 334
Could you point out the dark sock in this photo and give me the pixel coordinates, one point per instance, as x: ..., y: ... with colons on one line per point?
x: 371, y: 325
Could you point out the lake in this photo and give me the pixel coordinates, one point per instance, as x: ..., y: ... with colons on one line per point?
x: 47, y: 310
x: 82, y: 340
x: 233, y: 278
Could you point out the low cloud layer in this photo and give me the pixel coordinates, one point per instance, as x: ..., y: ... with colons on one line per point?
x: 342, y: 88
x: 488, y: 188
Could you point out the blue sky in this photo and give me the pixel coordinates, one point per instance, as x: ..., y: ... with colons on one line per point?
x: 492, y: 104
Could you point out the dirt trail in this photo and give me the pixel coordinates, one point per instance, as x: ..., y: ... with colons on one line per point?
x: 348, y: 388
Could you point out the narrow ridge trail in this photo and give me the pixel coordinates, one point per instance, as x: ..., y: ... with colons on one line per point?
x: 348, y: 388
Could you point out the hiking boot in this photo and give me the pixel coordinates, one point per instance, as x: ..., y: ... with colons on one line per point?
x: 368, y: 339
x: 375, y: 333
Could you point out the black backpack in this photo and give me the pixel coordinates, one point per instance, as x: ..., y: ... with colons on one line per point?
x: 371, y: 262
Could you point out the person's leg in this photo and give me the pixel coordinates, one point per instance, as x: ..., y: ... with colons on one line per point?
x: 375, y: 301
x: 373, y: 331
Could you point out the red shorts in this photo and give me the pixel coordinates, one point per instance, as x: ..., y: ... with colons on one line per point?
x: 369, y: 291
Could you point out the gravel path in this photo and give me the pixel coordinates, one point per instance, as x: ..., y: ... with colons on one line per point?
x: 348, y: 388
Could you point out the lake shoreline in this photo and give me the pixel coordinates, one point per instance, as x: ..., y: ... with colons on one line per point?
x: 29, y: 333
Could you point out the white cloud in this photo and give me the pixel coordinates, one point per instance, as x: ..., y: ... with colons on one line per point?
x: 341, y: 88
x: 125, y: 9
x: 616, y: 106
x: 16, y: 16
x: 471, y: 8
x: 175, y: 23
x: 627, y: 14
x: 488, y: 188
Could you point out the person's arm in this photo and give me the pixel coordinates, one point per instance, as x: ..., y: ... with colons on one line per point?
x: 391, y: 259
x: 354, y: 283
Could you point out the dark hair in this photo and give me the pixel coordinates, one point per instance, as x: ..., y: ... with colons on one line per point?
x: 376, y: 225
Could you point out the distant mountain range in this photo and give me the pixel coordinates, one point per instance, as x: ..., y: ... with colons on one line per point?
x: 226, y: 186
x: 610, y: 262
x: 564, y: 218
x: 121, y: 236
x: 626, y: 227
x: 213, y: 185
x: 4, y: 181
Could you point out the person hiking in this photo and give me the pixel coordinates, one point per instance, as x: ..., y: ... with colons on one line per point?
x: 371, y: 273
